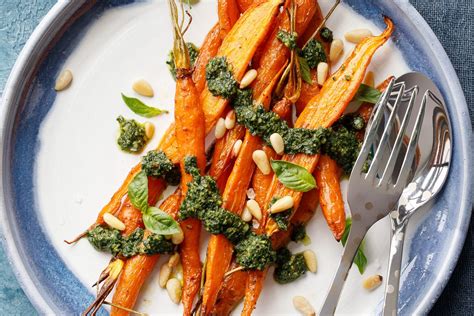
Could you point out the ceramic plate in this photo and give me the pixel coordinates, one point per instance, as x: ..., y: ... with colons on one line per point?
x: 60, y: 164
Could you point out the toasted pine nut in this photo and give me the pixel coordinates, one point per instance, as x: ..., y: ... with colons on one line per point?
x: 369, y: 79
x: 248, y: 78
x: 173, y: 286
x: 261, y: 160
x: 372, y: 282
x: 174, y: 260
x: 277, y: 143
x: 303, y: 306
x: 323, y: 70
x: 64, y: 80
x: 254, y: 209
x: 229, y: 121
x: 310, y: 260
x: 142, y: 87
x: 236, y: 148
x: 282, y: 204
x: 165, y: 273
x: 220, y: 128
x: 356, y: 36
x: 337, y: 46
x: 113, y: 221
x: 177, y: 238
x: 149, y: 130
x: 246, y: 215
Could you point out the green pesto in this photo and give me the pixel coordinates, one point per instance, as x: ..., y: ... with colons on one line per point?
x: 282, y: 219
x: 193, y: 55
x: 314, y: 53
x: 289, y: 267
x: 132, y: 136
x: 157, y: 164
x: 288, y: 38
x: 220, y: 80
x: 343, y: 147
x: 326, y: 35
x: 255, y: 252
x: 298, y: 232
x: 111, y: 240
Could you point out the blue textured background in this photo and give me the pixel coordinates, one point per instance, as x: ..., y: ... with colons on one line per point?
x: 452, y: 21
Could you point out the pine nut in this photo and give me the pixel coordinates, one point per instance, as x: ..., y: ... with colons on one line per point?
x: 246, y: 215
x: 174, y: 260
x: 220, y: 128
x: 337, y: 46
x: 248, y: 78
x: 369, y: 79
x: 165, y: 273
x: 229, y: 121
x: 372, y: 282
x: 149, y: 130
x: 173, y: 286
x: 254, y: 209
x: 113, y: 221
x: 356, y: 36
x: 261, y: 160
x: 323, y: 70
x: 310, y: 260
x: 177, y: 238
x: 142, y: 87
x: 236, y: 148
x: 303, y: 306
x: 277, y: 143
x: 282, y: 204
x: 64, y: 80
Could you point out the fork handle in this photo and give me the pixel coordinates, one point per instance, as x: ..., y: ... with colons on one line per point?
x: 390, y: 307
x: 352, y: 244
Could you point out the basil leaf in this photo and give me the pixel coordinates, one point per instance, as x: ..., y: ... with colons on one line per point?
x: 360, y: 259
x: 159, y: 222
x: 304, y: 70
x: 293, y: 176
x: 138, y: 191
x: 367, y: 94
x: 140, y: 108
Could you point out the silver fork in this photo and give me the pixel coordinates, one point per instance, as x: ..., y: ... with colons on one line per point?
x: 435, y: 156
x: 372, y: 195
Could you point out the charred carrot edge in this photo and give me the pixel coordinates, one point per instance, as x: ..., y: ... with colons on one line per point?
x: 330, y: 196
x: 137, y: 269
x: 228, y: 13
x: 324, y: 109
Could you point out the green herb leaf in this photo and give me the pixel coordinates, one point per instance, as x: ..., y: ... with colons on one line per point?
x: 293, y: 176
x: 305, y: 71
x: 360, y: 259
x: 138, y: 191
x: 159, y: 222
x: 367, y: 94
x: 140, y: 108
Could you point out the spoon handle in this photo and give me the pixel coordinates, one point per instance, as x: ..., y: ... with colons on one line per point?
x: 390, y: 307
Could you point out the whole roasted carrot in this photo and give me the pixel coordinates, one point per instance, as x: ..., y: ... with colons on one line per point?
x: 324, y: 109
x: 208, y: 50
x: 228, y: 12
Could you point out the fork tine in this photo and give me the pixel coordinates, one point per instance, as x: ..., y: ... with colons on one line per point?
x: 371, y: 133
x: 411, y: 150
x: 374, y: 166
x: 387, y: 174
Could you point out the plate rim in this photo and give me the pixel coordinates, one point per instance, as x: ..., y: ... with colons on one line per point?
x: 62, y: 12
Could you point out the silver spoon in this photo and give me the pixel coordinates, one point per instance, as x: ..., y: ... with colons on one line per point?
x: 433, y: 166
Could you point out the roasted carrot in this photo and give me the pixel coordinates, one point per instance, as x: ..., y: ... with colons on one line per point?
x: 324, y: 109
x: 208, y: 50
x: 228, y: 13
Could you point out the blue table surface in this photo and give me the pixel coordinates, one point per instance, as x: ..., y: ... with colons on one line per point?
x: 452, y: 21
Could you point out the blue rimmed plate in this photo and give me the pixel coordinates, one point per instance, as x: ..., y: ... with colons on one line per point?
x: 60, y: 164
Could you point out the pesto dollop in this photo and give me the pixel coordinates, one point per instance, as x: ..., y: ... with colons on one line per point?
x: 282, y: 219
x: 255, y: 252
x: 289, y: 267
x: 156, y: 164
x: 132, y: 136
x: 314, y: 53
x: 193, y: 55
x: 298, y: 233
x: 111, y: 240
x: 326, y: 34
x: 220, y: 80
x: 287, y: 38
